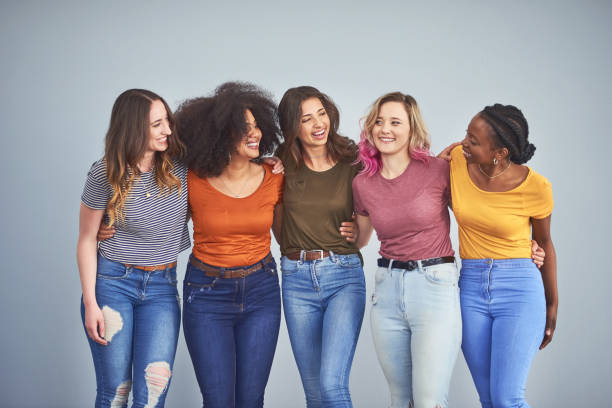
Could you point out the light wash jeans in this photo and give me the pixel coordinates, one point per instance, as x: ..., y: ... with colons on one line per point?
x: 324, y: 302
x: 141, y: 318
x: 416, y: 325
x: 504, y: 314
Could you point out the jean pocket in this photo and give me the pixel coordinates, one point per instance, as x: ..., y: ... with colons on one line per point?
x: 171, y: 276
x: 349, y: 261
x: 445, y: 274
x: 108, y: 269
x: 380, y: 275
x: 288, y: 267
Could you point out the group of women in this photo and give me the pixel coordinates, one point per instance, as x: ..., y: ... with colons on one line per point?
x: 204, y: 162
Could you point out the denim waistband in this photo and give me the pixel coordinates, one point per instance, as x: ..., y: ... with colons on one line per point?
x: 262, y: 262
x: 498, y: 263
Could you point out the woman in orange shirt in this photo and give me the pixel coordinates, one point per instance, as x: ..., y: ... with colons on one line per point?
x: 231, y: 311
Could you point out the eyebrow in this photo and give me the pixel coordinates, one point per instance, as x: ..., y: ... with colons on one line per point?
x: 310, y: 114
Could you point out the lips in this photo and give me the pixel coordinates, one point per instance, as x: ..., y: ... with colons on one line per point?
x: 386, y: 139
x: 318, y: 135
x: 466, y: 153
x: 253, y: 145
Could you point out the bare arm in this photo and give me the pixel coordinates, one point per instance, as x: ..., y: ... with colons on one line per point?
x: 278, y: 220
x: 541, y: 234
x: 365, y: 230
x: 87, y: 247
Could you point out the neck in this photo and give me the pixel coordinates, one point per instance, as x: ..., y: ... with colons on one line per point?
x: 492, y: 170
x: 237, y: 168
x: 316, y: 157
x: 146, y: 163
x: 393, y: 165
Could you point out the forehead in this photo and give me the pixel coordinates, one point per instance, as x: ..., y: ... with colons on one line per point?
x: 248, y: 116
x: 393, y: 109
x: 158, y: 110
x: 479, y: 128
x: 311, y: 105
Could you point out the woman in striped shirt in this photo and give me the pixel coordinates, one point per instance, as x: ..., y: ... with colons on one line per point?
x: 130, y: 305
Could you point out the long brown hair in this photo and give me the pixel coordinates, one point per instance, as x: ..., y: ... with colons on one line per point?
x: 126, y: 143
x: 339, y: 148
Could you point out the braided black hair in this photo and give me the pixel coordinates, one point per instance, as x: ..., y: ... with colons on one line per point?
x: 510, y: 130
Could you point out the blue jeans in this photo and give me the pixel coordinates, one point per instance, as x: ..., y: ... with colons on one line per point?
x: 231, y: 328
x: 324, y: 302
x: 504, y: 313
x: 141, y: 318
x: 416, y: 326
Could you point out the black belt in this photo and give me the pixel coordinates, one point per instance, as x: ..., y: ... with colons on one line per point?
x: 411, y: 265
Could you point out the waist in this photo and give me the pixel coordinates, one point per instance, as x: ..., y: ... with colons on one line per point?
x: 412, y: 265
x: 511, y: 263
x: 231, y: 272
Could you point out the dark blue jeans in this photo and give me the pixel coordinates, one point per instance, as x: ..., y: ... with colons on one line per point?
x: 324, y: 302
x: 231, y: 328
x: 141, y: 318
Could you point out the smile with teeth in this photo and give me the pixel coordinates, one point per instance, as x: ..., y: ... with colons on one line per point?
x: 162, y: 139
x: 386, y: 139
x: 319, y: 134
x: 253, y: 145
x: 466, y: 153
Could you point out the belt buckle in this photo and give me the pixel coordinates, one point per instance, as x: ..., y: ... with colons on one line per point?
x: 320, y: 251
x: 412, y: 265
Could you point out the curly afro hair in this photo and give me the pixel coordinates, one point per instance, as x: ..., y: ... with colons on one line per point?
x: 211, y: 127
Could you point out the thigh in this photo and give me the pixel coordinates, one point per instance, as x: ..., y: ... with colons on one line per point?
x: 518, y: 329
x: 436, y: 333
x: 256, y: 335
x: 113, y: 362
x: 304, y: 318
x: 477, y: 332
x: 392, y: 336
x: 156, y: 328
x: 209, y: 316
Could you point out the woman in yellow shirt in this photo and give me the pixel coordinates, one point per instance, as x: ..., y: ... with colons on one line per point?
x: 508, y: 307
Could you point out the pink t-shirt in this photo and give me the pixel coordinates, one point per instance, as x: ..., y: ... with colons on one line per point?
x: 409, y: 212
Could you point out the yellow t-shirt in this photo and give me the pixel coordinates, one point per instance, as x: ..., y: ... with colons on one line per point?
x: 496, y: 224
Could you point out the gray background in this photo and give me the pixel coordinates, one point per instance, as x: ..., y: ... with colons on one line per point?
x: 64, y: 63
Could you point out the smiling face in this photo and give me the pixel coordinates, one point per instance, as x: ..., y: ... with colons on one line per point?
x: 249, y: 144
x: 391, y: 130
x: 477, y: 145
x: 159, y: 127
x: 314, y: 123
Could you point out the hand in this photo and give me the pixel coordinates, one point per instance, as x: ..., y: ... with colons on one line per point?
x: 105, y: 232
x: 551, y: 323
x: 537, y: 254
x: 445, y: 154
x: 276, y: 163
x: 349, y: 230
x: 94, y: 324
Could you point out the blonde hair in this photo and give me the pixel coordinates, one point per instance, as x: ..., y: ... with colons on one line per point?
x: 419, y: 144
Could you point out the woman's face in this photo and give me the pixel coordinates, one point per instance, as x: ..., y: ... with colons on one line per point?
x: 159, y: 127
x: 477, y: 144
x: 314, y: 123
x: 391, y: 131
x: 249, y: 144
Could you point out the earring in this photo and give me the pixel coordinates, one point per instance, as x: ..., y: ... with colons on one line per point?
x: 495, y: 161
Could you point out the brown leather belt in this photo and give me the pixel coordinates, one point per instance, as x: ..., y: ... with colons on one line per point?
x: 153, y: 267
x: 229, y: 273
x: 308, y: 255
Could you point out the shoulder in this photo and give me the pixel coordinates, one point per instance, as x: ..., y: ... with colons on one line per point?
x: 361, y: 180
x: 180, y: 169
x: 98, y: 170
x: 537, y: 182
x: 272, y: 177
x: 457, y: 152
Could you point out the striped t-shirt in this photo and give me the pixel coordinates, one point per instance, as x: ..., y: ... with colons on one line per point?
x: 155, y: 227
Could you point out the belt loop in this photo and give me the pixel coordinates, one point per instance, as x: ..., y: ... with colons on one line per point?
x: 390, y: 265
x: 221, y: 272
x: 420, y: 266
x: 333, y: 257
x: 302, y: 254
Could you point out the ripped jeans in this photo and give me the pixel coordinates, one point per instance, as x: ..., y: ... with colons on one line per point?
x: 141, y: 319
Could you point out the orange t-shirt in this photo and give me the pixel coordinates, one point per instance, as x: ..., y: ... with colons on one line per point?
x: 230, y: 231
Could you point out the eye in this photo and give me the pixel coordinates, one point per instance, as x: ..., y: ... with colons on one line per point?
x: 395, y: 122
x: 305, y: 120
x: 378, y: 122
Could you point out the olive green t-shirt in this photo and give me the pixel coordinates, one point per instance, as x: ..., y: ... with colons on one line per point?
x: 314, y: 205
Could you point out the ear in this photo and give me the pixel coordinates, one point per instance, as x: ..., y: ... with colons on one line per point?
x: 502, y: 153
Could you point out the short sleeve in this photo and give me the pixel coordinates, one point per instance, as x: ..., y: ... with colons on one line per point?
x: 539, y: 202
x: 97, y: 190
x: 280, y: 181
x: 357, y: 201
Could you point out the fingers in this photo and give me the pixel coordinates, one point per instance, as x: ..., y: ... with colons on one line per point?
x: 276, y: 163
x: 537, y: 254
x: 445, y: 154
x: 347, y: 229
x: 92, y: 332
x: 549, y: 331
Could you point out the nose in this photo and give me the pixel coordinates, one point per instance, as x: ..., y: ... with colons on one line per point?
x: 166, y: 128
x: 385, y: 127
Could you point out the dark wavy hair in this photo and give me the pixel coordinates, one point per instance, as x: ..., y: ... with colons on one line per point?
x: 510, y: 130
x: 126, y: 142
x: 212, y: 126
x: 339, y: 148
